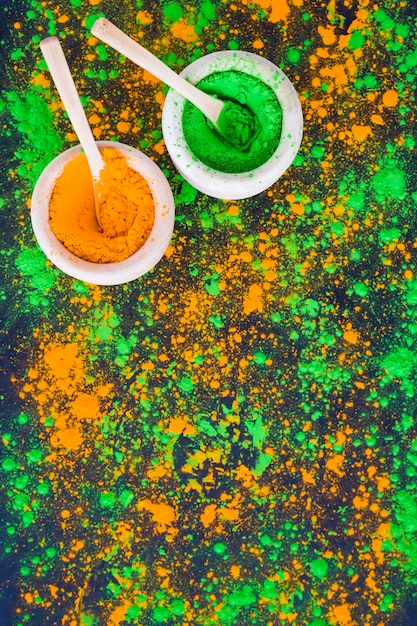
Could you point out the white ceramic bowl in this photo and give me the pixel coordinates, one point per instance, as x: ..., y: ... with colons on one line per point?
x: 247, y: 184
x: 106, y: 273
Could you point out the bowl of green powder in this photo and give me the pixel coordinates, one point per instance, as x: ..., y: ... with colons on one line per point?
x: 206, y: 159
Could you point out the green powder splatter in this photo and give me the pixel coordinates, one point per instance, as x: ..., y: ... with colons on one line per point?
x: 319, y: 568
x: 34, y: 120
x: 188, y: 193
x: 389, y: 182
x: 356, y: 40
x: 172, y: 11
x: 399, y: 363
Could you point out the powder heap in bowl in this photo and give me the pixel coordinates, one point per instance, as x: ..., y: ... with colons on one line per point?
x: 126, y: 213
x: 251, y: 124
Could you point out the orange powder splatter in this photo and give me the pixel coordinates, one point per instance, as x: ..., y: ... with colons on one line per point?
x: 350, y: 336
x: 40, y: 80
x: 383, y: 483
x: 123, y: 127
x: 183, y: 30
x: 327, y: 34
x: 390, y: 98
x: 68, y: 438
x: 118, y: 615
x: 85, y: 406
x: 335, y: 463
x: 341, y: 616
x: 162, y: 514
x: 377, y: 119
x: 178, y: 425
x: 278, y: 11
x: 253, y: 300
x: 360, y: 503
x: 307, y: 478
x: 360, y: 132
x: 63, y: 361
x: 209, y: 515
x: 144, y: 17
x: 230, y: 514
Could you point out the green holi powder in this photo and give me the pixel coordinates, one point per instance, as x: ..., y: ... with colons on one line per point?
x: 356, y: 40
x: 242, y: 597
x: 237, y: 126
x: 250, y: 141
x: 389, y: 182
x: 293, y: 55
x: 188, y: 193
x: 219, y: 548
x: 107, y: 500
x: 172, y: 11
x: 186, y: 384
x: 161, y: 614
x: 34, y: 120
x: 208, y: 10
x: 126, y: 497
x: 399, y: 363
x: 8, y: 464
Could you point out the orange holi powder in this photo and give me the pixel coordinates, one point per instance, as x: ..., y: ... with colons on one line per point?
x: 126, y: 213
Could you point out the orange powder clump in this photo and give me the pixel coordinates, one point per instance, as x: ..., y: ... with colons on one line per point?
x: 126, y: 214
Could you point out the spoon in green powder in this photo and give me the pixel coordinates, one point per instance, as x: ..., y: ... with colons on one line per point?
x: 234, y: 122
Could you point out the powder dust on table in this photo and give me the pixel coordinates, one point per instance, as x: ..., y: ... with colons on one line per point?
x: 126, y: 210
x: 231, y: 439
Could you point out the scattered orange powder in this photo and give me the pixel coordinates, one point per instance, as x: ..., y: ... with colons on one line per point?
x: 350, y: 336
x: 340, y: 615
x: 143, y: 17
x: 390, y: 98
x: 126, y: 214
x: 68, y: 438
x: 327, y: 34
x: 123, y: 127
x: 278, y: 10
x: 360, y: 132
x: 85, y: 406
x: 253, y: 300
x: 209, y: 515
x: 40, y: 80
x: 360, y: 503
x: 162, y: 514
x: 335, y: 463
x: 184, y: 31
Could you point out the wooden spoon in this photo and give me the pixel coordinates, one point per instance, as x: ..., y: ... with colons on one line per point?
x: 212, y: 108
x: 57, y: 64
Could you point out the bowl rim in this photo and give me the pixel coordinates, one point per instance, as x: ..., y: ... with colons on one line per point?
x: 230, y: 185
x: 119, y: 272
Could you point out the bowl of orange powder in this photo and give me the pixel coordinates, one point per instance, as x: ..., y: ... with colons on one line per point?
x: 136, y: 216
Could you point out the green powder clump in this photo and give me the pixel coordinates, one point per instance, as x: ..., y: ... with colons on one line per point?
x: 237, y: 125
x: 250, y: 126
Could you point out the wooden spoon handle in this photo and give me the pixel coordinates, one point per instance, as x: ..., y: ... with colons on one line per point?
x: 117, y: 39
x: 61, y: 75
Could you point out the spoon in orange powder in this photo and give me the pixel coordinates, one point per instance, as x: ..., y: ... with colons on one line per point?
x: 61, y: 75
